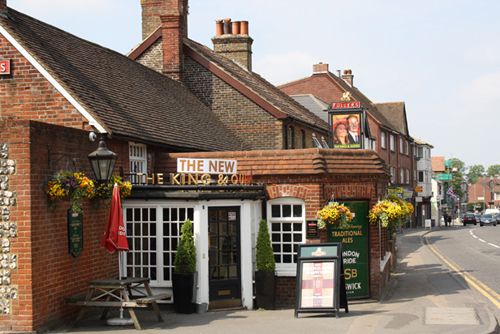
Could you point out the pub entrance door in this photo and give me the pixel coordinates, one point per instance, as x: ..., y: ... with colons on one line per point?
x: 224, y: 257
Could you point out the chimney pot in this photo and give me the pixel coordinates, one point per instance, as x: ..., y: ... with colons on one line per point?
x: 244, y: 27
x: 227, y: 26
x: 219, y: 29
x: 348, y: 77
x: 236, y: 28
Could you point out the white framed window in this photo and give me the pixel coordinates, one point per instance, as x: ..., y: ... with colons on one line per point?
x: 286, y: 220
x: 138, y: 156
x: 420, y: 152
x: 407, y: 148
x: 407, y: 176
x: 393, y: 174
x: 402, y: 175
x: 153, y: 233
x: 401, y: 147
x: 382, y: 140
x: 391, y: 142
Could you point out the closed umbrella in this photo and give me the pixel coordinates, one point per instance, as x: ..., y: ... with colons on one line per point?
x: 115, y: 239
x: 115, y: 235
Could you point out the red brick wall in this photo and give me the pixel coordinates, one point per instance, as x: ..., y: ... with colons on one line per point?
x: 27, y: 94
x: 46, y: 271
x: 320, y: 85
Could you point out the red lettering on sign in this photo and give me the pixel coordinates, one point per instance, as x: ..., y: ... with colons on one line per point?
x: 345, y: 105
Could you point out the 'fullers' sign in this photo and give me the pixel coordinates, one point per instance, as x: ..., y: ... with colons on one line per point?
x: 342, y: 105
x: 206, y: 166
x: 4, y: 67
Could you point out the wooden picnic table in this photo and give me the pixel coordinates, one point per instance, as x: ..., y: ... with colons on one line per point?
x: 118, y: 292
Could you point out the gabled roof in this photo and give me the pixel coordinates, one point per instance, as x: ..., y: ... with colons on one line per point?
x: 421, y: 142
x: 395, y: 113
x: 331, y: 96
x: 313, y: 104
x: 252, y: 85
x: 126, y: 99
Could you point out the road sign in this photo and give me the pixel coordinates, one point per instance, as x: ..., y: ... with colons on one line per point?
x: 443, y: 177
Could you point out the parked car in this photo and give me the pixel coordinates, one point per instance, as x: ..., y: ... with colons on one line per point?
x: 469, y: 218
x: 478, y: 216
x: 487, y: 219
x: 497, y: 217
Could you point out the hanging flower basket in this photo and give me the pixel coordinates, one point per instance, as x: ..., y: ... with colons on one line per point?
x: 390, y: 212
x: 334, y: 214
x: 76, y: 187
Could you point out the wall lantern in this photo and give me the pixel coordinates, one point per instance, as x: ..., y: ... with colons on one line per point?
x: 102, y: 161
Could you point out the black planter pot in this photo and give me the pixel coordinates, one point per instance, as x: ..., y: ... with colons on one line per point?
x: 264, y: 288
x: 182, y: 286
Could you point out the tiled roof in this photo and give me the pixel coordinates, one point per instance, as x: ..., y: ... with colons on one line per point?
x: 313, y: 161
x: 258, y: 86
x: 395, y: 113
x: 128, y: 99
x: 313, y: 104
x: 421, y: 142
x: 438, y: 165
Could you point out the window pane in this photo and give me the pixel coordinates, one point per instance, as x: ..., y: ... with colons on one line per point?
x: 287, y: 210
x: 275, y: 211
x: 297, y: 210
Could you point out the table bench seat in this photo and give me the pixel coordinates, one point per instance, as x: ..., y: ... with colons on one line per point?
x: 150, y: 299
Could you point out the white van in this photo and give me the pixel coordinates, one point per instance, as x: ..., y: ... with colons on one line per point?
x: 492, y: 211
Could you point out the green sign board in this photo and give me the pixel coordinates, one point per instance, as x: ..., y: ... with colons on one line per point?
x: 443, y: 177
x: 75, y: 233
x: 354, y: 251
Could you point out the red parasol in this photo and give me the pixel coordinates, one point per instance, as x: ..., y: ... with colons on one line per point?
x: 115, y: 235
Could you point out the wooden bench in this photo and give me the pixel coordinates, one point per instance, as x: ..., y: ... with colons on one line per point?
x: 79, y: 300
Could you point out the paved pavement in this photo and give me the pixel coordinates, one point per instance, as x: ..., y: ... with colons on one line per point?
x: 423, y: 298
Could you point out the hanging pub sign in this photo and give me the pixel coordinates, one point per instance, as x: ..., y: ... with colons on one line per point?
x: 75, y: 233
x: 348, y: 124
x: 4, y: 67
x: 320, y: 279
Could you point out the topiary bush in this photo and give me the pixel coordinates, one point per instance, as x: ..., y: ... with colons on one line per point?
x: 264, y: 256
x: 185, y: 258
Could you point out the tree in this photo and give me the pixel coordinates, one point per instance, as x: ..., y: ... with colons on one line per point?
x: 458, y: 171
x: 493, y: 170
x: 475, y: 172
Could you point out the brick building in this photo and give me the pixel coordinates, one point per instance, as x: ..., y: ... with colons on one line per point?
x: 388, y: 126
x: 61, y: 87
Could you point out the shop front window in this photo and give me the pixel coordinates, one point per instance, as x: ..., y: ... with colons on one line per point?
x: 153, y: 233
x: 286, y: 219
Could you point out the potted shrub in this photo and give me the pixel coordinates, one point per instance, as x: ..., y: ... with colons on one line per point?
x: 264, y: 277
x: 183, y: 277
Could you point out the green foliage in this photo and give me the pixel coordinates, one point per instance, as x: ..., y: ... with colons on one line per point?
x: 493, y: 170
x: 475, y: 172
x: 265, y: 256
x: 458, y: 176
x: 185, y: 258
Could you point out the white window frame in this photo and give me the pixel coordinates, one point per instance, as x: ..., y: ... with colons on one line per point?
x: 393, y: 174
x: 383, y: 140
x: 402, y: 175
x: 141, y: 239
x: 286, y: 269
x: 407, y: 148
x: 421, y: 173
x: 138, y: 157
x: 391, y: 142
x: 401, y: 147
x: 407, y: 176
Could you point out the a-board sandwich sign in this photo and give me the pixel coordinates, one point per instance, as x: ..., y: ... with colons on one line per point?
x: 320, y: 283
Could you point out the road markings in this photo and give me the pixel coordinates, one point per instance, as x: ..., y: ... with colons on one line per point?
x: 489, y: 243
x: 486, y: 291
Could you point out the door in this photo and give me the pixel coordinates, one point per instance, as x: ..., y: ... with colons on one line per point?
x: 224, y: 256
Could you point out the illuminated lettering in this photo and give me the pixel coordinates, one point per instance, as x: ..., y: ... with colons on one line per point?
x: 193, y: 178
x: 159, y: 178
x: 174, y: 179
x: 206, y: 179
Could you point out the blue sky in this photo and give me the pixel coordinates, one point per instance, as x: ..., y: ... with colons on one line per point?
x: 441, y: 57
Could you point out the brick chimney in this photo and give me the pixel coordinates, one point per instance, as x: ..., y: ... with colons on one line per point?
x: 232, y: 41
x: 171, y: 16
x: 320, y: 68
x: 348, y: 77
x: 3, y: 5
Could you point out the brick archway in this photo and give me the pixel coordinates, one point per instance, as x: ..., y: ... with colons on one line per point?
x: 286, y: 190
